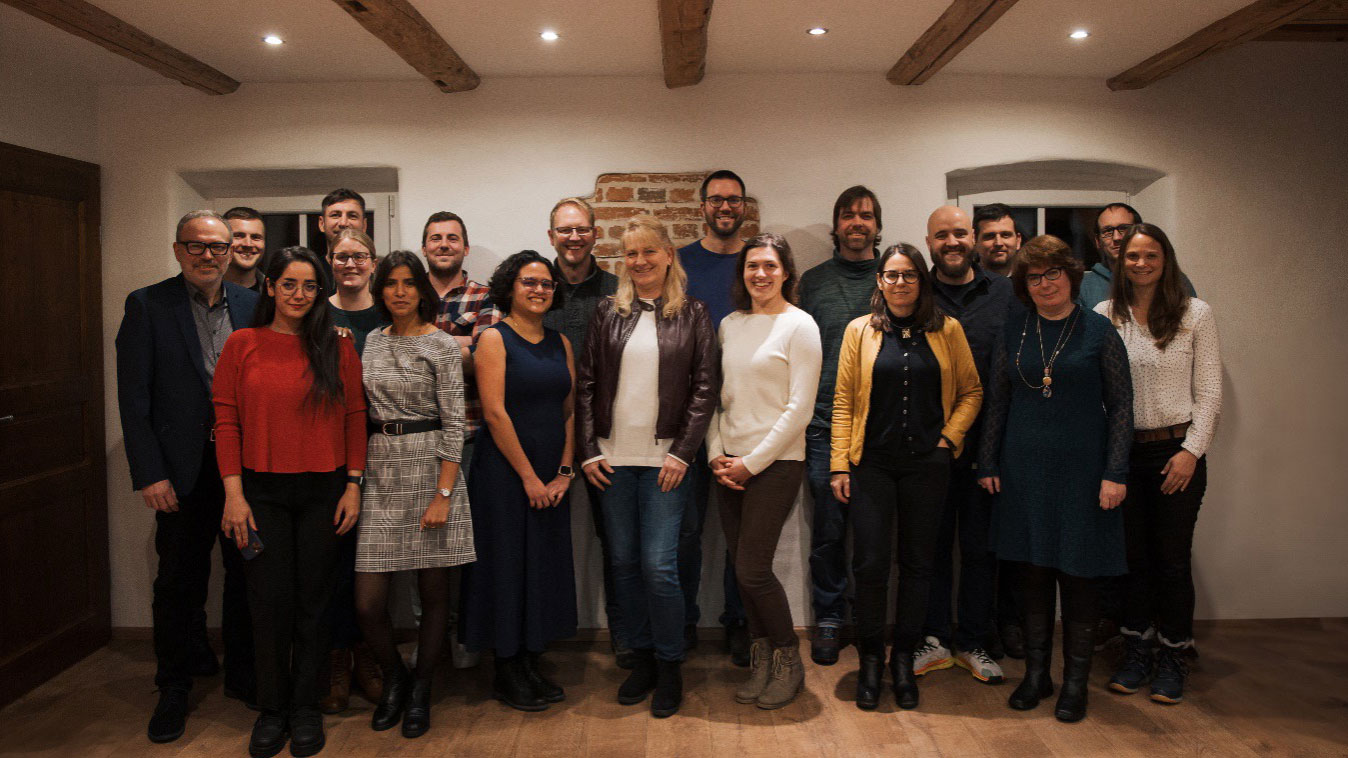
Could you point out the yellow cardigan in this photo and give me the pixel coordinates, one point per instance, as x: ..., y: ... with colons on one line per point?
x: 961, y: 392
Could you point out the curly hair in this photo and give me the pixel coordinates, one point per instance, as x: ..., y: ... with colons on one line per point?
x: 501, y: 286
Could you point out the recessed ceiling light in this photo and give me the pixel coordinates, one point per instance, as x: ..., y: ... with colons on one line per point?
x: 1079, y: 34
x: 272, y: 39
x: 549, y: 35
x: 816, y: 31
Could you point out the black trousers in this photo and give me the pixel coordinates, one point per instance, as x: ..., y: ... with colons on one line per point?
x: 904, y: 493
x: 183, y: 541
x: 967, y: 515
x: 291, y: 581
x: 1160, y: 532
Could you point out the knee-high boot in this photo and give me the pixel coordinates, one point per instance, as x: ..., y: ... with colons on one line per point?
x: 1037, y: 684
x: 1078, y: 647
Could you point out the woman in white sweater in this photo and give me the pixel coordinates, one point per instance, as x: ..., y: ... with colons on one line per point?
x: 770, y: 361
x: 1176, y: 365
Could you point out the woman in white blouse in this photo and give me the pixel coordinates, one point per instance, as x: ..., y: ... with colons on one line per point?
x: 770, y: 361
x: 1177, y: 396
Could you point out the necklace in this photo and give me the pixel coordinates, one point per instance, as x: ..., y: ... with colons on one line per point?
x: 1047, y: 384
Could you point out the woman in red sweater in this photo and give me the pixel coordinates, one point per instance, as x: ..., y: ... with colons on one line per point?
x: 290, y: 440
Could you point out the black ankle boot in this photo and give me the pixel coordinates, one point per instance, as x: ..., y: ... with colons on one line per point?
x: 546, y: 689
x: 668, y: 689
x: 905, y: 682
x: 1037, y: 684
x: 417, y: 718
x: 641, y: 681
x: 869, y: 681
x: 1078, y: 647
x: 512, y: 687
x: 389, y: 711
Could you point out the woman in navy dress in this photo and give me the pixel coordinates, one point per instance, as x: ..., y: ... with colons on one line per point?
x: 1055, y: 445
x: 520, y: 594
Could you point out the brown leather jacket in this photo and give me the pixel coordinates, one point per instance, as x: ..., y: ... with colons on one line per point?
x: 689, y: 376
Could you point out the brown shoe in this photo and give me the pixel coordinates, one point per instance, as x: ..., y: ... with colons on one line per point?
x: 369, y: 678
x: 339, y: 682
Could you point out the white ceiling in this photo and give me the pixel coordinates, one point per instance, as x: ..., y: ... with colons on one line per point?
x: 611, y: 37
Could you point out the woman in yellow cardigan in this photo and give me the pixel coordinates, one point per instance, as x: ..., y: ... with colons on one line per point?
x: 906, y: 394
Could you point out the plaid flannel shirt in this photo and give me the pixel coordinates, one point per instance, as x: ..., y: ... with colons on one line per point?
x: 465, y: 312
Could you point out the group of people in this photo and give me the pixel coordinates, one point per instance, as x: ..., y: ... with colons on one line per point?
x: 335, y: 421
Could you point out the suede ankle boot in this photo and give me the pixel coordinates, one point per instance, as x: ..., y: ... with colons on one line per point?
x: 784, y: 680
x: 760, y: 659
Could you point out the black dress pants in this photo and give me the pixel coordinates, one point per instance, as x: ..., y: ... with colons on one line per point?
x: 290, y: 582
x: 183, y: 541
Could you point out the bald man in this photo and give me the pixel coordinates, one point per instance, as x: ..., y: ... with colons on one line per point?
x: 979, y: 301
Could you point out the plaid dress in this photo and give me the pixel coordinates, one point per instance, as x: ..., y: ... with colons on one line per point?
x: 412, y: 379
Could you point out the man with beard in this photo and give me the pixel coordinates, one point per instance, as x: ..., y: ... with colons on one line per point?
x: 833, y: 293
x: 711, y: 265
x: 341, y: 209
x: 979, y: 301
x: 996, y: 238
x: 247, y: 243
x: 571, y: 231
x: 1112, y: 223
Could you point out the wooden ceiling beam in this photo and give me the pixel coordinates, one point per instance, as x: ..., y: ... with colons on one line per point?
x: 683, y: 40
x: 1252, y: 21
x: 411, y: 36
x: 958, y: 26
x: 109, y: 32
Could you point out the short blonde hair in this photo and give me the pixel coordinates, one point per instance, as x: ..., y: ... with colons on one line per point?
x: 360, y: 237
x: 576, y: 201
x: 647, y: 229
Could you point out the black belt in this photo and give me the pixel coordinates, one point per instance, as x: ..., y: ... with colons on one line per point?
x: 394, y: 428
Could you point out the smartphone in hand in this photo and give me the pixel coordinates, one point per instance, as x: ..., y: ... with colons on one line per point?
x: 254, y: 545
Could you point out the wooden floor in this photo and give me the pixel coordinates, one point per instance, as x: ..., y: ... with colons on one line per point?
x: 1260, y: 688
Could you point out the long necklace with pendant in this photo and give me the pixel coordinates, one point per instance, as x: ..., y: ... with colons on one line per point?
x: 1046, y: 386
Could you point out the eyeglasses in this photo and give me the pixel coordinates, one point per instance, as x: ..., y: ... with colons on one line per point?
x: 579, y: 231
x: 909, y: 276
x: 290, y: 286
x: 200, y: 248
x: 716, y: 201
x: 349, y: 258
x: 1108, y: 232
x: 530, y: 283
x: 1053, y: 275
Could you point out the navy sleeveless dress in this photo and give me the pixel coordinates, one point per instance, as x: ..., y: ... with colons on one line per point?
x: 521, y: 593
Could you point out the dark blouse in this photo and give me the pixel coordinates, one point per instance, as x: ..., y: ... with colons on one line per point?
x: 905, y: 415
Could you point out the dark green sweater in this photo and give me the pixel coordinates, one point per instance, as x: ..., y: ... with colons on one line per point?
x: 834, y: 293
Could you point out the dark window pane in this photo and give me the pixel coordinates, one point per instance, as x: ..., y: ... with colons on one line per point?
x: 283, y: 230
x: 1073, y: 226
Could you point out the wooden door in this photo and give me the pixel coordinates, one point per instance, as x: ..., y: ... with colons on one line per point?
x: 54, y: 603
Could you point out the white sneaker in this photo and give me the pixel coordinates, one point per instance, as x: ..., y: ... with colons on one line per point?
x: 980, y: 664
x: 931, y: 655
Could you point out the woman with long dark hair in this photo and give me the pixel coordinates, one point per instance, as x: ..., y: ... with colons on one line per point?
x: 290, y: 440
x: 907, y: 393
x: 1176, y: 363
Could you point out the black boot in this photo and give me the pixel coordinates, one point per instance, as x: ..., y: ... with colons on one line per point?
x: 1037, y: 684
x: 641, y: 681
x: 546, y: 689
x: 1078, y: 646
x: 905, y: 681
x: 512, y: 687
x: 389, y: 710
x: 417, y: 719
x: 668, y: 689
x: 870, y: 679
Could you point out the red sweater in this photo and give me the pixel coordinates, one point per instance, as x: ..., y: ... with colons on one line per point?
x: 262, y: 420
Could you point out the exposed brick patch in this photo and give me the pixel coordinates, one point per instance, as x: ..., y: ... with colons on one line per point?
x: 649, y: 195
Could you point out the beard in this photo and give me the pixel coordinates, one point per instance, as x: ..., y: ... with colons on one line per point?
x: 953, y: 270
x: 446, y: 271
x: 715, y: 224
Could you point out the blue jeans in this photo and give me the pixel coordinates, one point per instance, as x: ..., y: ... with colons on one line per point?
x: 828, y: 555
x: 642, y: 524
x: 967, y: 515
x: 697, y: 484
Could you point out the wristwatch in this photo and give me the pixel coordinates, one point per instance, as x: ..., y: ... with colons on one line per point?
x: 566, y: 471
x: 358, y: 480
x: 445, y: 492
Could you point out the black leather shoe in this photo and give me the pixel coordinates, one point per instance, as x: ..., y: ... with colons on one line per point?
x: 668, y: 689
x: 1037, y: 684
x: 825, y: 645
x: 389, y: 711
x: 269, y: 735
x: 905, y: 681
x: 641, y: 681
x: 170, y: 715
x: 1078, y: 647
x: 306, y: 732
x: 511, y: 686
x: 547, y: 690
x: 869, y: 681
x: 417, y: 716
x: 737, y: 642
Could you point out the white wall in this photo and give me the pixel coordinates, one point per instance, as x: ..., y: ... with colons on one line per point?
x: 46, y: 112
x: 1253, y: 147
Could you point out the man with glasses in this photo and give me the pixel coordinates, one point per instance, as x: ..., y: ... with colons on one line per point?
x: 710, y: 263
x: 833, y: 293
x: 979, y: 301
x: 1112, y: 223
x: 167, y: 348
x: 248, y: 242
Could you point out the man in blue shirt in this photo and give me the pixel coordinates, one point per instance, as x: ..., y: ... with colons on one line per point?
x: 1111, y: 225
x: 711, y: 265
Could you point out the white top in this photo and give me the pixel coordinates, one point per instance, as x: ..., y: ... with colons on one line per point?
x: 770, y: 374
x: 1181, y: 383
x: 636, y: 405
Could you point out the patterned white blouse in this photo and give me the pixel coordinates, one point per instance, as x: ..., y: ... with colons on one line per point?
x: 1181, y: 383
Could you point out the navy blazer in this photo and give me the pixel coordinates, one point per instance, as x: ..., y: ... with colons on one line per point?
x: 162, y: 388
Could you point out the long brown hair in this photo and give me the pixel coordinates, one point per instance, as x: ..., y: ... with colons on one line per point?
x: 1171, y: 300
x: 739, y: 294
x: 926, y: 314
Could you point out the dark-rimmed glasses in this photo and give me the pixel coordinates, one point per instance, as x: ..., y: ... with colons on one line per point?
x: 909, y: 276
x: 1052, y: 274
x: 200, y: 248
x: 579, y: 231
x: 716, y: 201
